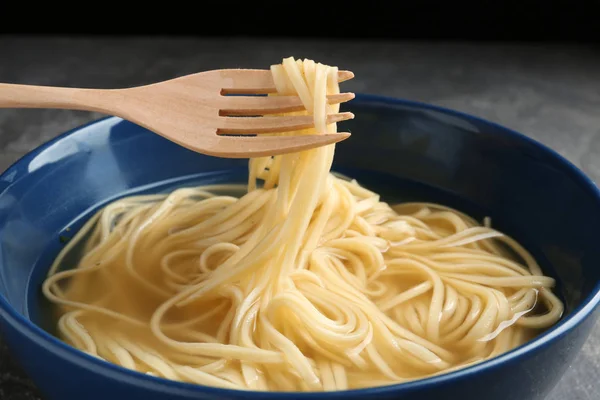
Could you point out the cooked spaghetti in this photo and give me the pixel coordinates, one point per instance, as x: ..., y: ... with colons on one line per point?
x: 306, y: 282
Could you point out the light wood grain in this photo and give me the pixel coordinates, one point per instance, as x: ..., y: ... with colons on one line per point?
x: 196, y: 112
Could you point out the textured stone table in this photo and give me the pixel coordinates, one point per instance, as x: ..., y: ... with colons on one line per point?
x: 551, y: 93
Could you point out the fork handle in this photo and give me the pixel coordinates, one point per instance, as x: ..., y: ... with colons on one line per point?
x: 31, y: 96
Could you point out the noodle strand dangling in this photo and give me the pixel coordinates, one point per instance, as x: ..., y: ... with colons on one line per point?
x: 306, y: 282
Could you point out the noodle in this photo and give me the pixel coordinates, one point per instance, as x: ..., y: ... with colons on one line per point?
x: 308, y: 282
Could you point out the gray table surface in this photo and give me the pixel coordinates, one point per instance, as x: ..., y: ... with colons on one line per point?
x: 551, y: 93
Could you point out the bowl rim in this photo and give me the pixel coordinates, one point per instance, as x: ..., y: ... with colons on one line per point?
x: 112, y: 371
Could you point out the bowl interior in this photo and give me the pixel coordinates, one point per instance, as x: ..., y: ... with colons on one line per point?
x: 405, y: 151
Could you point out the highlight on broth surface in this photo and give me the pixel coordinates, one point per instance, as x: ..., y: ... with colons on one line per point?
x: 308, y: 282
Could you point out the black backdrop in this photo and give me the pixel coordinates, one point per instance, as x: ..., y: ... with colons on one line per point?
x: 524, y: 20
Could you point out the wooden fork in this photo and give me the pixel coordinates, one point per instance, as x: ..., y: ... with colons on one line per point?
x: 195, y: 111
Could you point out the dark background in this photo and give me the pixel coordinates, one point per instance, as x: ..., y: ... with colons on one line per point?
x: 484, y: 20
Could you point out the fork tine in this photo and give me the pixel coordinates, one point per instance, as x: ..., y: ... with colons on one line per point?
x: 256, y: 81
x: 246, y: 105
x: 345, y: 75
x: 246, y: 147
x: 254, y: 125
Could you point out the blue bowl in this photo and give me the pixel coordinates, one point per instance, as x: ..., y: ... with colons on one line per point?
x: 418, y: 151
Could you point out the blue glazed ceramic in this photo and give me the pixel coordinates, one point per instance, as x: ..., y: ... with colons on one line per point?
x: 400, y: 148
